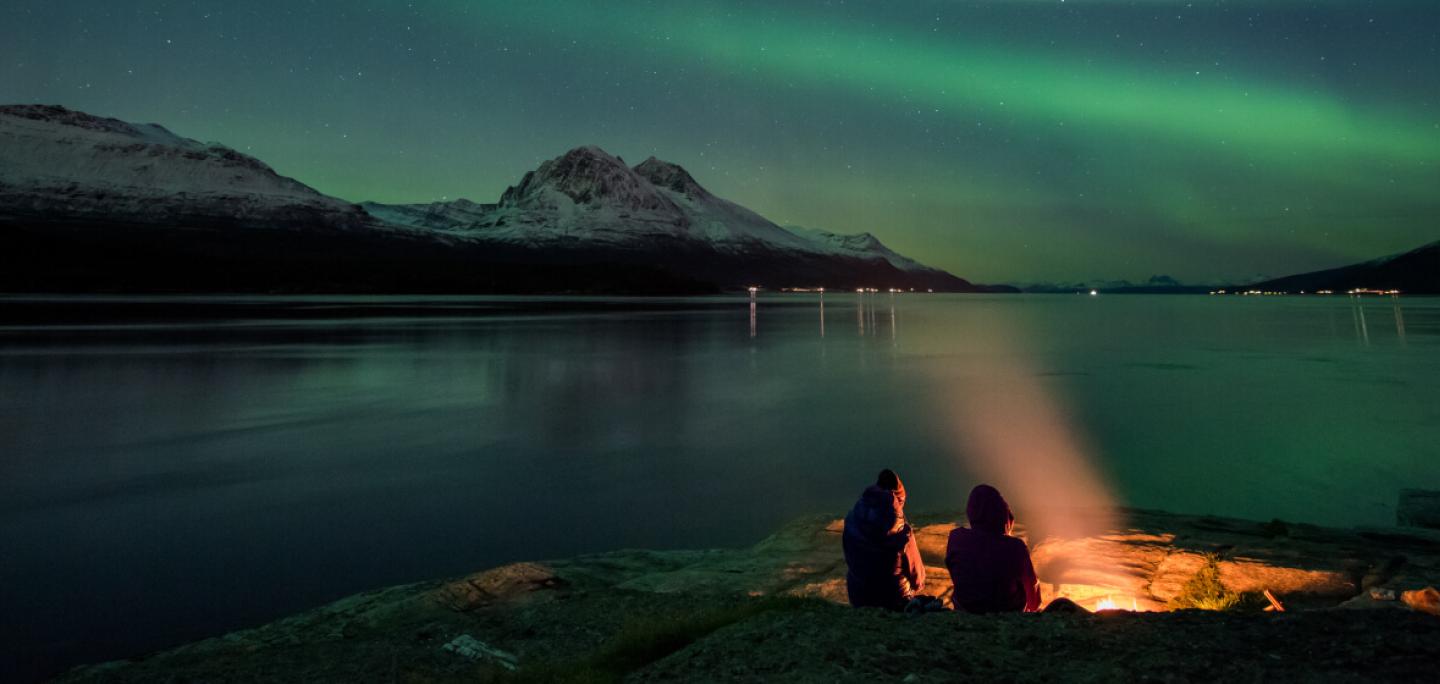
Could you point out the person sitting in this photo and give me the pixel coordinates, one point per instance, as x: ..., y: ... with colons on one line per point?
x: 884, y: 569
x: 991, y: 569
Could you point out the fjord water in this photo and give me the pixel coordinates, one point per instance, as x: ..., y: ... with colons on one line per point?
x: 171, y: 468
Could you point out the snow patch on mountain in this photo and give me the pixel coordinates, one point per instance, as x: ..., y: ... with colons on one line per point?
x: 672, y: 177
x: 455, y: 215
x: 861, y: 245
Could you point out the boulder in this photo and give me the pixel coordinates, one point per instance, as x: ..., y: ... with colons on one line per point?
x: 505, y: 583
x: 471, y: 648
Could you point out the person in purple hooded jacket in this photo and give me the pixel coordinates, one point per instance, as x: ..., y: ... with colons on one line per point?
x: 884, y: 569
x: 991, y: 569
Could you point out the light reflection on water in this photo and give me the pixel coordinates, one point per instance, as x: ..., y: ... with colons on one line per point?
x: 174, y: 467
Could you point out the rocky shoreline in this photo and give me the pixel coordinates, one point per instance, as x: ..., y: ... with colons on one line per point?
x: 775, y: 612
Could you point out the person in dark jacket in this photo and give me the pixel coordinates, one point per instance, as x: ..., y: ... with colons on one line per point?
x: 884, y: 566
x: 991, y: 569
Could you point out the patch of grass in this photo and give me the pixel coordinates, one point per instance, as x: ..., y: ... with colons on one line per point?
x: 1205, y: 591
x: 645, y: 639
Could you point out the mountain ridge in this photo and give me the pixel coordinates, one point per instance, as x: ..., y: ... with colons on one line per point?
x: 1416, y: 271
x: 59, y: 162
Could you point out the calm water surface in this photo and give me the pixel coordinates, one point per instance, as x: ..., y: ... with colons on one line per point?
x: 175, y: 467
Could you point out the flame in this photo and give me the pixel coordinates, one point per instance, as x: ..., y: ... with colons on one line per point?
x: 1109, y: 603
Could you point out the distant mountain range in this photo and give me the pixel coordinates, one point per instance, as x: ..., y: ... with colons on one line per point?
x: 1414, y: 272
x: 96, y: 204
x: 1158, y: 284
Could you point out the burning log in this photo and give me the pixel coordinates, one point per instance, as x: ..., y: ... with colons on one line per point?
x: 1275, y: 604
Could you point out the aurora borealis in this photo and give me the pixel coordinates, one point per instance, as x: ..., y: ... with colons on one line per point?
x: 1003, y: 140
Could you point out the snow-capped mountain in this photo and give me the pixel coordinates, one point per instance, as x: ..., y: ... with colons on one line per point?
x: 57, y: 162
x: 587, y: 197
x: 95, y: 203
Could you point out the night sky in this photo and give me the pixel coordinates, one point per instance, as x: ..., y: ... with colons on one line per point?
x: 1004, y: 140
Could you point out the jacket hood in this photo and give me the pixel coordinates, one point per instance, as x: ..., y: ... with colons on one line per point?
x: 987, y: 510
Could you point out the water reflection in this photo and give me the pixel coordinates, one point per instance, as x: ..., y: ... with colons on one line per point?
x: 753, y: 327
x: 822, y: 313
x: 892, y: 316
x: 1360, y: 319
x: 860, y: 310
x: 1399, y: 317
x: 1357, y: 312
x: 868, y: 314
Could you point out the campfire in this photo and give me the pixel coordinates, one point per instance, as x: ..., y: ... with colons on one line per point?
x: 1109, y: 603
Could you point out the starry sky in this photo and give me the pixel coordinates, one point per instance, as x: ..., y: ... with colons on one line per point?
x: 1003, y: 140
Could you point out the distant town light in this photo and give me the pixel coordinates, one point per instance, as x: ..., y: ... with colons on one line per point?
x: 1094, y: 292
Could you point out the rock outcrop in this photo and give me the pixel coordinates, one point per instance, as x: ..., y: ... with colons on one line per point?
x: 544, y: 615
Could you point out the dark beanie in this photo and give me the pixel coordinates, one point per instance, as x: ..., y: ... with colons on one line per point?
x: 888, y: 480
